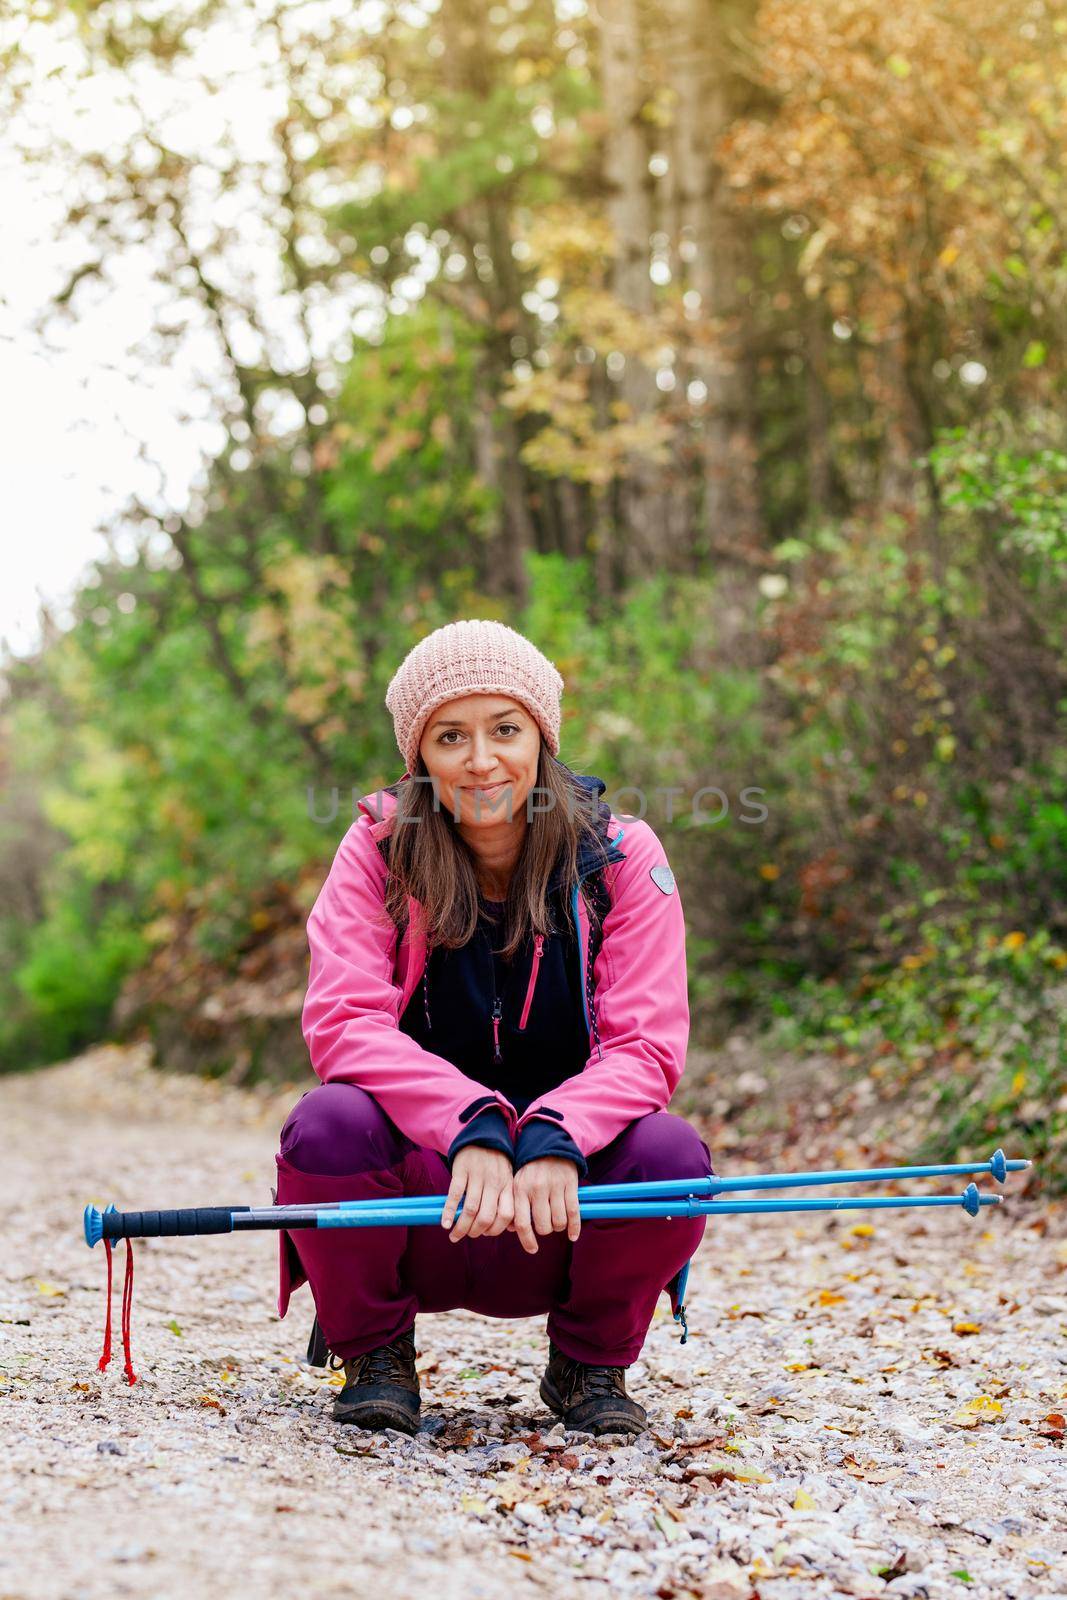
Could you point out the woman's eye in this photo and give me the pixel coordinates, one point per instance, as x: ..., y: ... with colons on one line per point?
x: 511, y: 726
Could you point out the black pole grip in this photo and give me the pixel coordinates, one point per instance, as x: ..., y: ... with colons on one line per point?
x: 168, y: 1224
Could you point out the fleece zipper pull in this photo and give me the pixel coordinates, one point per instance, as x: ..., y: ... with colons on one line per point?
x: 539, y: 945
x: 498, y: 1007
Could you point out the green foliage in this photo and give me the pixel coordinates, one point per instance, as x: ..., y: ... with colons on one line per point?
x: 1021, y: 490
x: 70, y: 977
x: 963, y: 1021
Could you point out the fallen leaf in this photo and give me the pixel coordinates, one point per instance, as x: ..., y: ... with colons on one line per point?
x: 509, y: 1494
x: 804, y: 1501
x: 826, y: 1298
x: 472, y: 1503
x: 172, y: 1327
x: 717, y: 1471
x: 50, y: 1290
x: 862, y: 1229
x: 981, y: 1409
x: 870, y: 1471
x: 966, y: 1327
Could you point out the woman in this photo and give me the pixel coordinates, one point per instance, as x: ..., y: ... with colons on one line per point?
x: 497, y: 1006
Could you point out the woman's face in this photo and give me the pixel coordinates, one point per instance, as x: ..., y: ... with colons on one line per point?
x: 483, y: 752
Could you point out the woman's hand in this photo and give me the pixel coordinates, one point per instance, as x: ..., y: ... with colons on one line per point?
x: 481, y: 1178
x: 546, y: 1195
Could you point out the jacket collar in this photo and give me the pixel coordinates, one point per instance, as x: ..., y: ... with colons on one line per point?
x: 380, y: 804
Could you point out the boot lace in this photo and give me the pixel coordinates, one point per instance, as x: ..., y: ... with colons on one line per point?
x: 387, y: 1362
x: 594, y: 1380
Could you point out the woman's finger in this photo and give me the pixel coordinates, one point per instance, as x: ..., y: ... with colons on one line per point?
x: 453, y: 1197
x: 505, y: 1210
x: 486, y: 1213
x: 471, y: 1202
x: 522, y: 1223
x: 574, y: 1215
x: 541, y: 1210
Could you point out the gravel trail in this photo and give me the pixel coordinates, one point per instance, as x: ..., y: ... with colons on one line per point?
x: 867, y: 1404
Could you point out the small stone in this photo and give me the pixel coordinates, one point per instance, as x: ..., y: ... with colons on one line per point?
x: 529, y: 1514
x: 720, y: 1580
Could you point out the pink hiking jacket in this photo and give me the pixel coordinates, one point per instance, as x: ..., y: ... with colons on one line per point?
x: 361, y: 978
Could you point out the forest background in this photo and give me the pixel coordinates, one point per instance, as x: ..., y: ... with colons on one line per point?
x: 718, y: 347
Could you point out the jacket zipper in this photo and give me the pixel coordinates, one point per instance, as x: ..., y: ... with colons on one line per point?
x: 539, y: 944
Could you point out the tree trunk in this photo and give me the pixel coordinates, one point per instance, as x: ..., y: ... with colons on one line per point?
x: 649, y: 520
x: 817, y: 407
x: 708, y: 96
x: 485, y: 220
x: 903, y: 438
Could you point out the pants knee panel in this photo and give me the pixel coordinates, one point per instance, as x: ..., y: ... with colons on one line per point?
x: 664, y: 1145
x: 337, y: 1129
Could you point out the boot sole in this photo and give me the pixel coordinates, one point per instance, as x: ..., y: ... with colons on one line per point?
x: 606, y: 1422
x: 374, y: 1415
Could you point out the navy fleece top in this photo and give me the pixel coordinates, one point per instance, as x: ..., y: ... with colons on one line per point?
x: 458, y: 990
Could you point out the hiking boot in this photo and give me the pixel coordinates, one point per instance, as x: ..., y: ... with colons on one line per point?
x: 590, y: 1399
x: 382, y: 1387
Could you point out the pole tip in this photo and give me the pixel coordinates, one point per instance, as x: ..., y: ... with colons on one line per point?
x: 93, y: 1223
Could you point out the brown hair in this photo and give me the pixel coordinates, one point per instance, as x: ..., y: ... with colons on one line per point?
x: 430, y: 860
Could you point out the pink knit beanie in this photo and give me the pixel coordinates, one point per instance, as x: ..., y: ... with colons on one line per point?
x: 471, y: 657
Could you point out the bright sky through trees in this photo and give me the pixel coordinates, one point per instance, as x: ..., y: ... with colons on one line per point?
x: 92, y: 410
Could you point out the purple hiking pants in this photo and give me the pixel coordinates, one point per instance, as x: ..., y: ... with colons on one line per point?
x: 369, y: 1283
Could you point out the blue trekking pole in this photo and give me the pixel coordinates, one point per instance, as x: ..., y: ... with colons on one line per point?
x: 629, y: 1198
x: 665, y: 1198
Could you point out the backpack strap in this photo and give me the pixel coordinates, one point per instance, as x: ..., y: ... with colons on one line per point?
x: 599, y: 897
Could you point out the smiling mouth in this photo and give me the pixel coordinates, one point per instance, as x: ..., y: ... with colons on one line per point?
x: 484, y: 788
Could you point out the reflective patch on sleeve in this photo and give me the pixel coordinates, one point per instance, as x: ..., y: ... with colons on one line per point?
x: 663, y: 878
